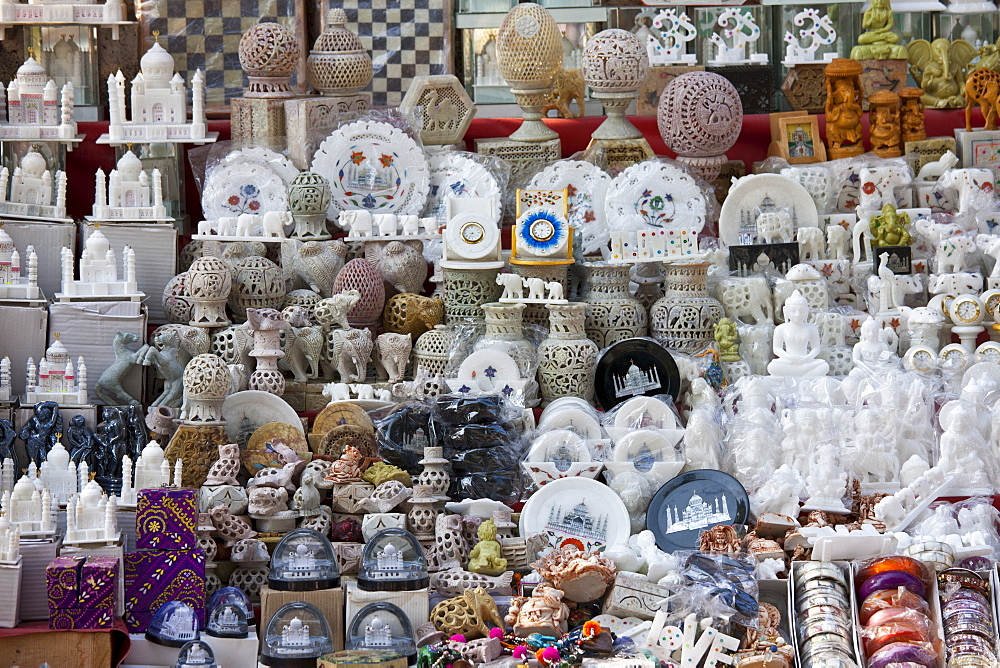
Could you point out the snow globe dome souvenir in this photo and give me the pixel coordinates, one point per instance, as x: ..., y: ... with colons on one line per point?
x: 303, y: 561
x: 227, y: 621
x: 296, y: 636
x: 382, y: 626
x: 196, y: 654
x: 232, y: 596
x: 393, y: 561
x: 173, y: 625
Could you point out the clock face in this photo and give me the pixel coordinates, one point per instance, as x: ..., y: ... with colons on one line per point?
x: 966, y: 310
x: 991, y: 303
x: 989, y: 351
x: 922, y: 359
x: 473, y: 233
x: 542, y: 230
x: 954, y: 356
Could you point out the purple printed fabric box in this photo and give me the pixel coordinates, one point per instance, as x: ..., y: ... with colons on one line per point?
x: 99, y: 582
x: 62, y: 582
x: 154, y: 577
x: 166, y: 519
x: 65, y: 619
x: 138, y: 621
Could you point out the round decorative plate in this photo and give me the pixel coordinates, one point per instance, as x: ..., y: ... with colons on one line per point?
x: 574, y: 419
x: 342, y: 412
x: 374, y: 166
x: 245, y: 412
x: 638, y: 366
x: 262, y: 449
x: 232, y: 188
x: 692, y: 502
x: 262, y: 155
x: 756, y: 193
x: 576, y: 511
x: 588, y: 187
x: 655, y: 195
x: 454, y: 174
x: 338, y: 438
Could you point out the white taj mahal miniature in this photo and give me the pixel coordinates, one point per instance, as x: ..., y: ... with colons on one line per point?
x: 28, y: 510
x: 698, y: 514
x: 295, y: 635
x: 159, y: 104
x: 99, y: 279
x: 152, y: 471
x: 180, y: 626
x: 196, y: 655
x: 30, y: 109
x: 636, y: 381
x: 13, y: 284
x: 5, y: 392
x: 301, y: 565
x: 32, y: 191
x: 129, y: 193
x: 59, y: 475
x: 54, y: 379
x: 377, y: 634
x: 389, y: 563
x: 10, y: 539
x: 90, y: 517
x: 110, y: 13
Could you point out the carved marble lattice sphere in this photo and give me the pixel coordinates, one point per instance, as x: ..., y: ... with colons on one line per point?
x: 257, y: 283
x: 338, y: 64
x: 209, y: 279
x: 529, y: 47
x: 309, y: 194
x: 699, y: 117
x: 268, y: 54
x: 615, y: 61
x: 207, y: 377
x: 177, y: 304
x: 359, y: 275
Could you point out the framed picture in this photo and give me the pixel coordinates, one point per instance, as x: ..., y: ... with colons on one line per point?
x: 205, y: 35
x: 799, y: 140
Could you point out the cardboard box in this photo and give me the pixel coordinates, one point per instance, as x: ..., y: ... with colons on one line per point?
x: 36, y: 555
x: 58, y: 648
x: 88, y: 328
x: 371, y: 658
x: 155, y: 246
x: 229, y: 652
x: 23, y: 332
x: 154, y: 577
x: 330, y: 602
x: 792, y: 615
x: 166, y: 519
x: 10, y: 594
x: 48, y: 239
x: 416, y: 604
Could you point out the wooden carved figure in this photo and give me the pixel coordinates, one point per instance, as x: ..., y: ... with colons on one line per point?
x: 982, y: 88
x: 883, y: 118
x: 912, y: 114
x: 843, y: 108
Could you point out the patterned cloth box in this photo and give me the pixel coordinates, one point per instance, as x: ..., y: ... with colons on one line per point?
x: 65, y: 619
x: 166, y: 519
x: 81, y: 582
x: 154, y: 577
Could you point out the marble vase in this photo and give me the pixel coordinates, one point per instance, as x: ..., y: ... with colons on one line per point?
x: 684, y: 319
x: 613, y: 314
x: 567, y: 358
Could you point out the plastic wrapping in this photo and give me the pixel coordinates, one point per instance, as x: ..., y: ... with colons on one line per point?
x: 718, y: 585
x: 464, y: 174
x: 890, y: 599
x: 394, y: 430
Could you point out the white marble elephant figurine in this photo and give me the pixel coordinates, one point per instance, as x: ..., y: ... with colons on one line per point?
x: 960, y: 283
x: 350, y: 350
x: 811, y: 243
x: 951, y: 252
x: 244, y: 224
x: 410, y: 224
x: 774, y: 227
x: 358, y: 223
x: 393, y: 355
x: 536, y: 287
x: 205, y: 227
x: 555, y: 290
x: 386, y: 224
x: 837, y: 240
x: 512, y: 285
x: 332, y: 311
x: 275, y: 222
x: 226, y: 226
x: 337, y: 392
x: 430, y: 225
x: 363, y: 391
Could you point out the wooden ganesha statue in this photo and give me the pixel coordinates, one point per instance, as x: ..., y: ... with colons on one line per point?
x: 843, y: 108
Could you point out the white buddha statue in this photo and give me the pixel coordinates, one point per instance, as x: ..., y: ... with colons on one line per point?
x: 796, y: 342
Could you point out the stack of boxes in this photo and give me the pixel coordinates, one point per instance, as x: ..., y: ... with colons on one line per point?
x: 82, y: 592
x: 167, y: 566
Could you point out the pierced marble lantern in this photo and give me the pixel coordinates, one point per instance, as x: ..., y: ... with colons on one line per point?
x: 338, y: 64
x: 308, y: 201
x: 268, y: 54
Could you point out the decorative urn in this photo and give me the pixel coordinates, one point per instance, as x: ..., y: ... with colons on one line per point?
x: 614, y: 67
x: 338, y: 64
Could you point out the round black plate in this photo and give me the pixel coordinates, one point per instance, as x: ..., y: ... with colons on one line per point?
x: 692, y: 502
x: 657, y: 372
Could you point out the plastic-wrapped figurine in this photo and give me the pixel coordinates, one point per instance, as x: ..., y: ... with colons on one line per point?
x: 297, y: 635
x: 826, y: 483
x: 843, y: 108
x: 392, y: 561
x: 303, y: 561
x: 486, y: 556
x: 878, y: 42
x: 173, y: 625
x: 543, y: 612
x: 703, y: 435
x: 196, y: 654
x: 382, y: 626
x: 796, y: 343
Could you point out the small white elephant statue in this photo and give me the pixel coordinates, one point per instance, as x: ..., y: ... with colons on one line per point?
x: 837, y: 239
x: 960, y: 283
x: 205, y: 227
x: 951, y: 252
x: 555, y: 290
x: 536, y: 287
x: 274, y: 223
x: 244, y: 224
x: 410, y: 224
x: 337, y: 392
x: 363, y: 391
x: 811, y: 243
x: 358, y: 223
x: 512, y: 284
x: 226, y: 227
x: 430, y: 225
x: 386, y: 224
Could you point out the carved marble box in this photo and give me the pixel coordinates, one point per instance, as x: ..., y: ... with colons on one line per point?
x: 166, y: 519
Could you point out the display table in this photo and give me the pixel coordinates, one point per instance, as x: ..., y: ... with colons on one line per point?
x: 752, y: 145
x: 34, y: 643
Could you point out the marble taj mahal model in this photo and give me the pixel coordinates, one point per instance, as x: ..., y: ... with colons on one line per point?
x: 32, y: 108
x: 33, y: 191
x: 99, y: 278
x: 129, y: 193
x: 54, y: 379
x: 14, y: 285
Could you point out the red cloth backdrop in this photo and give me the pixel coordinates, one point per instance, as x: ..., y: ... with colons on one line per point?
x: 752, y: 145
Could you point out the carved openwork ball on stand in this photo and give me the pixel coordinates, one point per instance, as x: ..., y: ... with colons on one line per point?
x: 268, y: 54
x: 308, y: 200
x: 529, y: 53
x: 614, y: 66
x: 700, y: 116
x: 208, y: 285
x: 337, y: 63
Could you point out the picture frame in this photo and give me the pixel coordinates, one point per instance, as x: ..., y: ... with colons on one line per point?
x: 799, y: 140
x: 774, y: 148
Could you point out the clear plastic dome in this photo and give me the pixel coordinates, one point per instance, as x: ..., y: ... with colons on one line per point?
x: 173, y: 625
x: 232, y: 596
x: 303, y: 561
x: 228, y: 620
x: 296, y: 636
x: 196, y: 654
x: 382, y: 626
x: 392, y: 561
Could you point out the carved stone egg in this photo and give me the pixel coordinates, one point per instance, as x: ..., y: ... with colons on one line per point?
x: 359, y: 275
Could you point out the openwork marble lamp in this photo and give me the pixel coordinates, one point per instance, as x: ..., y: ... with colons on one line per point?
x: 529, y: 53
x: 699, y: 117
x: 615, y: 63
